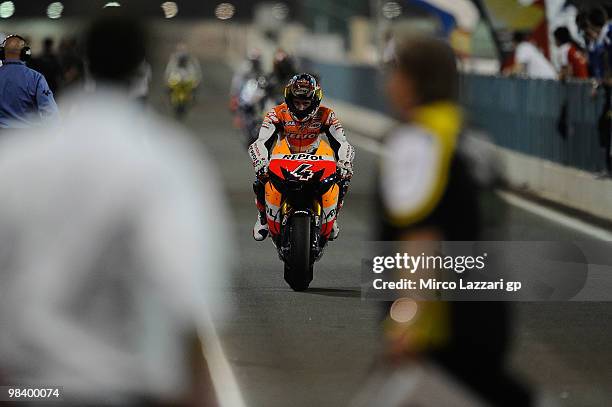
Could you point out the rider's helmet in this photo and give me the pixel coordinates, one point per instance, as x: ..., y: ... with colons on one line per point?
x: 303, y: 96
x: 182, y: 61
x: 283, y: 65
x: 254, y: 58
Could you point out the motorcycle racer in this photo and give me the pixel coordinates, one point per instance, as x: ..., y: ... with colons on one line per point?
x: 250, y: 69
x: 283, y: 69
x: 183, y: 67
x: 301, y: 120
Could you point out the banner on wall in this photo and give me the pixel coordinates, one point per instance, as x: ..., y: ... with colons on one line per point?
x: 509, y: 16
x: 458, y: 19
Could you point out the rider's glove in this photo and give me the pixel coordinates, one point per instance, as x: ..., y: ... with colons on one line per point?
x: 261, y: 167
x: 346, y: 169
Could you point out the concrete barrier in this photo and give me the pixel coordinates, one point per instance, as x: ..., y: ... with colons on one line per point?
x: 567, y: 186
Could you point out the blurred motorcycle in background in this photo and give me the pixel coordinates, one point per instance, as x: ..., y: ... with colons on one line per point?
x: 251, y: 108
x: 181, y: 96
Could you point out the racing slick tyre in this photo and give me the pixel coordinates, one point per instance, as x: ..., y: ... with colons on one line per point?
x: 180, y: 110
x: 298, y: 269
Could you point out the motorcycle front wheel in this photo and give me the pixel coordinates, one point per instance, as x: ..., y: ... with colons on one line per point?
x: 298, y: 269
x: 180, y: 110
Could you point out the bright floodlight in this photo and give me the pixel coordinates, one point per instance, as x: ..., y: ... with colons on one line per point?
x: 280, y: 11
x: 112, y: 4
x: 225, y: 11
x: 55, y: 10
x: 403, y: 310
x: 170, y: 9
x: 391, y: 9
x: 7, y: 9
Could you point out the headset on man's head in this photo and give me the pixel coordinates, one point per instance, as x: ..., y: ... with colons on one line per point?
x: 24, y: 55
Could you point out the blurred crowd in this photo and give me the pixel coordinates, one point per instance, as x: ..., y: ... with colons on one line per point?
x: 253, y: 91
x: 61, y: 64
x: 585, y: 57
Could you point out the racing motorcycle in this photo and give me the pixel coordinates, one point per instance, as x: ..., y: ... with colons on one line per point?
x: 181, y: 95
x: 251, y: 105
x: 301, y: 199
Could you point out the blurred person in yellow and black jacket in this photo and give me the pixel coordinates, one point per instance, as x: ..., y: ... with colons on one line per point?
x: 427, y: 191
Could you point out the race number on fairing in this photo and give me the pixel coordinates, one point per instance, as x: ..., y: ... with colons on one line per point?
x: 303, y: 172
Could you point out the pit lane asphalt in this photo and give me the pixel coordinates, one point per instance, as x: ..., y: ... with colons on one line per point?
x: 315, y: 348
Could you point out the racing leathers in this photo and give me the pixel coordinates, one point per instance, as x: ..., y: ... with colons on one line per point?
x: 302, y: 137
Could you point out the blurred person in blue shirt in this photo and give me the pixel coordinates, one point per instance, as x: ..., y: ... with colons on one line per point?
x: 26, y: 99
x: 582, y: 25
x: 599, y: 33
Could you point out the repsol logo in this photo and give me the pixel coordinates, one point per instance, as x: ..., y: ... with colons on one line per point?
x: 303, y: 156
x: 302, y: 136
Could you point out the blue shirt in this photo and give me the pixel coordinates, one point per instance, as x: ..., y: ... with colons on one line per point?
x: 25, y: 97
x: 600, y: 54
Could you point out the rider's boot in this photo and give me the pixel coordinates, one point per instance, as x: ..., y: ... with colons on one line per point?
x: 335, y: 231
x: 335, y: 228
x: 260, y: 230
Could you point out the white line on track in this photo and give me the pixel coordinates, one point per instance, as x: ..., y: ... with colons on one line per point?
x: 556, y: 216
x: 225, y: 384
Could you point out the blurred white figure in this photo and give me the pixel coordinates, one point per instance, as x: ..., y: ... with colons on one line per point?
x: 112, y: 249
x: 183, y: 67
x: 389, y: 48
x: 529, y: 60
x: 107, y: 253
x: 251, y: 68
x: 140, y: 84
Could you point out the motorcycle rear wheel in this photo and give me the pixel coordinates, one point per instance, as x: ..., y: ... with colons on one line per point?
x: 298, y: 269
